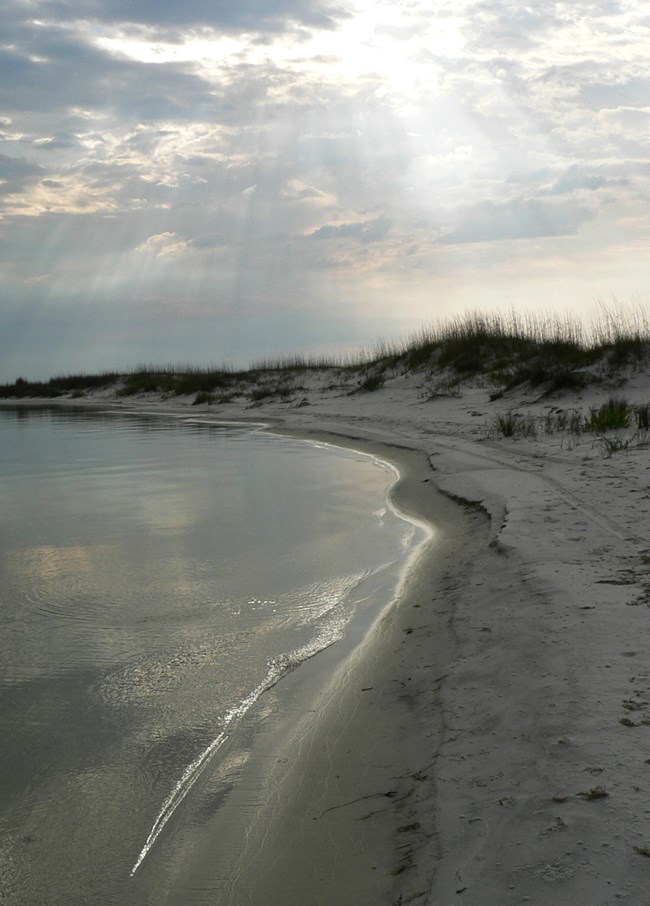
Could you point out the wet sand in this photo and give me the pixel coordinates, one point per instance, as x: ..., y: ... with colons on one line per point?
x: 336, y: 803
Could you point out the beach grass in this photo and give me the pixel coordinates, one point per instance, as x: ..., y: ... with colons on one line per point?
x: 616, y: 413
x: 508, y: 351
x: 606, y: 423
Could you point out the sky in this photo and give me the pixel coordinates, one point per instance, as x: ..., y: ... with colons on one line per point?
x: 218, y: 181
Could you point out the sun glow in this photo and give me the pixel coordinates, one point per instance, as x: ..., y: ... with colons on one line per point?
x: 377, y: 44
x: 204, y: 51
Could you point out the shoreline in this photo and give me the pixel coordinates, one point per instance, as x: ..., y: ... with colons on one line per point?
x: 347, y: 813
x: 334, y: 802
x: 538, y: 791
x: 340, y: 808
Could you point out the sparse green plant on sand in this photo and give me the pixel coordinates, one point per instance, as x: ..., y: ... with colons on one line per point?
x: 513, y: 424
x: 611, y: 416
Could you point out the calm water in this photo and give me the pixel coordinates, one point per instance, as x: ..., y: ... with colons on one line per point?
x: 157, y: 577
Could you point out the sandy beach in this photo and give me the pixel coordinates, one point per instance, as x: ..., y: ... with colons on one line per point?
x: 489, y: 743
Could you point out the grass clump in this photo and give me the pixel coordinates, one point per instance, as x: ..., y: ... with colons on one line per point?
x: 513, y: 424
x: 372, y: 382
x: 282, y: 389
x: 616, y: 413
x: 506, y: 424
x: 610, y: 445
x: 563, y: 420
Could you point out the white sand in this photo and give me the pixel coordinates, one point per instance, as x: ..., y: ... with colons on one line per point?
x: 537, y: 739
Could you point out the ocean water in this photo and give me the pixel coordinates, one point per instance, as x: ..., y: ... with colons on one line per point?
x: 159, y: 577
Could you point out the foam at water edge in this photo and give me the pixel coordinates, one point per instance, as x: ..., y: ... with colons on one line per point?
x: 277, y: 668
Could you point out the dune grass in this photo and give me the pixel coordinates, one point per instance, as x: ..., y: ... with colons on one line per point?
x: 505, y: 351
x: 59, y: 386
x: 556, y: 354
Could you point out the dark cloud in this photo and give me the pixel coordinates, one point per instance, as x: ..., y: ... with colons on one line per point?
x: 527, y: 219
x: 16, y: 174
x: 60, y: 141
x: 248, y: 15
x: 54, y: 68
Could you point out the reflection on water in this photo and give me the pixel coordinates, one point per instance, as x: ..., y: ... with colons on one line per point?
x: 156, y: 577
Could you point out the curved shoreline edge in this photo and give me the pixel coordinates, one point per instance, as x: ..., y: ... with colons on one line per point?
x: 541, y: 717
x: 348, y: 812
x: 345, y: 804
x: 352, y: 819
x: 337, y: 801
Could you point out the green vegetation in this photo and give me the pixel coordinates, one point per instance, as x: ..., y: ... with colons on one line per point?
x: 553, y: 354
x: 176, y: 381
x: 512, y: 424
x: 615, y: 415
x: 502, y: 352
x: 75, y: 385
x: 282, y: 389
x: 611, y: 416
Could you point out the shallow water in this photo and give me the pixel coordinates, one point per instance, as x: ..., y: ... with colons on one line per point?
x: 157, y: 577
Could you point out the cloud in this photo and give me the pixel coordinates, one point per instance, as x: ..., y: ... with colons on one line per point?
x: 163, y: 245
x: 60, y: 141
x: 55, y: 68
x: 520, y: 219
x: 634, y: 92
x: 557, y: 181
x: 17, y: 174
x: 163, y: 15
x: 576, y: 179
x: 365, y: 231
x: 509, y: 26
